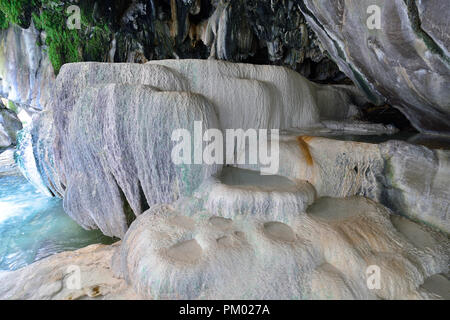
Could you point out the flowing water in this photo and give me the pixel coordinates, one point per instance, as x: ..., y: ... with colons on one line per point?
x: 34, y: 226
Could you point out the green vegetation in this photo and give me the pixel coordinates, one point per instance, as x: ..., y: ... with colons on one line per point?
x: 89, y: 43
x: 4, y: 24
x: 97, y: 45
x: 15, y: 11
x: 12, y: 106
x: 63, y: 44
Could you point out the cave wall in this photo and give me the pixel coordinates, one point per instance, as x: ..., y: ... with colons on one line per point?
x: 405, y: 61
x: 404, y: 64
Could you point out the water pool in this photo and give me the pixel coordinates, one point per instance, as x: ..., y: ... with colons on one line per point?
x: 33, y: 226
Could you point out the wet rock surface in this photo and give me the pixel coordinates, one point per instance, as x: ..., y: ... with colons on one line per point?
x: 320, y: 254
x: 412, y: 180
x: 406, y: 60
x: 417, y: 180
x: 26, y: 75
x: 333, y: 208
x: 84, y: 274
x: 9, y: 126
x: 405, y: 63
x: 86, y: 105
x: 101, y: 114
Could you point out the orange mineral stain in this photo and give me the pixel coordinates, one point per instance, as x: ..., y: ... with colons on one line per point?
x: 302, y: 143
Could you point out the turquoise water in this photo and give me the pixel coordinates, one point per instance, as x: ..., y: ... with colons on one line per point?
x: 33, y: 226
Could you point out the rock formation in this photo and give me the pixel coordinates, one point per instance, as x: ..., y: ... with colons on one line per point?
x: 132, y: 100
x: 97, y: 280
x: 323, y: 253
x: 409, y: 179
x: 310, y: 231
x: 9, y: 126
x: 409, y: 68
x: 340, y: 202
x: 406, y: 60
x: 167, y: 255
x: 26, y: 74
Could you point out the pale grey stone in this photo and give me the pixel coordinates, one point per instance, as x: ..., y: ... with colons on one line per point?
x: 400, y: 61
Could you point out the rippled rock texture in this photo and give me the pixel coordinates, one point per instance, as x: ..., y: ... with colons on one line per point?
x: 104, y: 143
x: 406, y: 61
x: 411, y: 180
x: 26, y: 75
x: 311, y: 231
x: 108, y: 105
x: 321, y: 254
x: 418, y: 180
x: 139, y: 31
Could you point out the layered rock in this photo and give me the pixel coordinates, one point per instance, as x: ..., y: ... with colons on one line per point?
x: 26, y: 75
x: 323, y: 253
x: 411, y: 180
x: 111, y: 132
x: 111, y: 117
x: 27, y: 160
x: 417, y: 182
x: 312, y: 230
x: 139, y: 31
x: 102, y: 114
x: 309, y: 232
x: 167, y: 255
x: 264, y: 96
x: 238, y: 192
x: 406, y: 61
x: 84, y: 274
x: 7, y: 164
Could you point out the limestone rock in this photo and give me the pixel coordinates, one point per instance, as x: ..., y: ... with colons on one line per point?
x: 9, y: 126
x: 333, y: 167
x: 406, y: 60
x: 238, y: 192
x: 28, y: 162
x: 26, y: 74
x: 265, y: 97
x: 321, y: 254
x: 166, y: 255
x: 418, y: 182
x: 101, y: 114
x: 83, y: 274
x: 7, y: 164
x: 123, y: 163
x: 409, y: 179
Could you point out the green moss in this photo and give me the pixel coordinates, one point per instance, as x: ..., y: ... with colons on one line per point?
x: 96, y: 43
x: 90, y: 43
x: 12, y: 106
x: 4, y: 23
x: 63, y: 44
x: 16, y: 11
